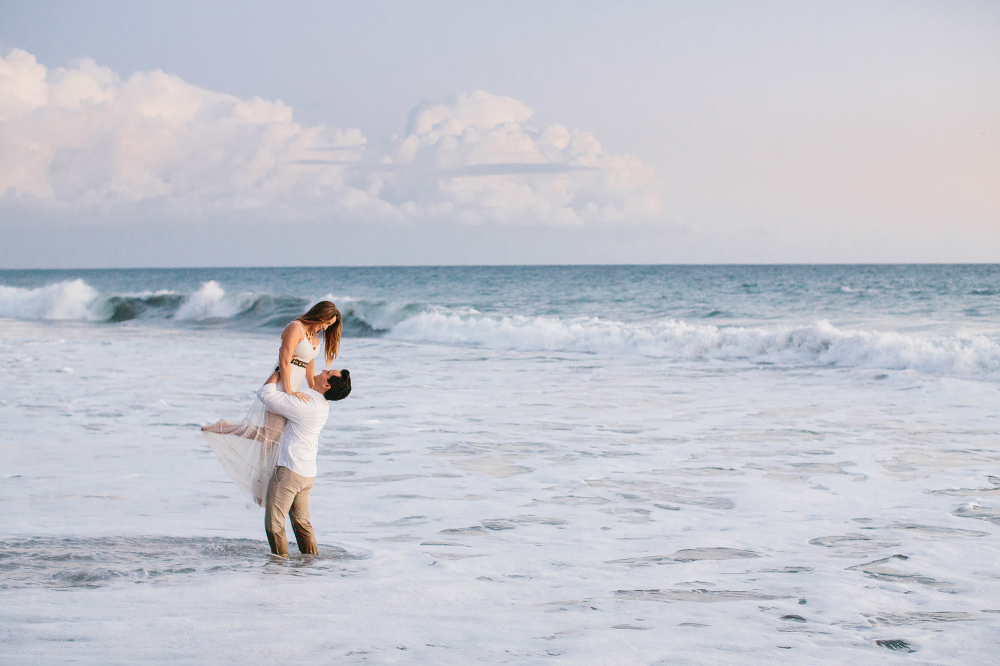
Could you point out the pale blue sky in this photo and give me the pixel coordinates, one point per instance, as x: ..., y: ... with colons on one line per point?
x: 777, y: 131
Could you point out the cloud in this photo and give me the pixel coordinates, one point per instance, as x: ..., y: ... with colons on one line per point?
x: 512, y: 169
x: 84, y: 140
x: 473, y: 156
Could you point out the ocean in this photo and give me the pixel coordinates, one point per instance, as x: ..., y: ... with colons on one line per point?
x: 558, y: 464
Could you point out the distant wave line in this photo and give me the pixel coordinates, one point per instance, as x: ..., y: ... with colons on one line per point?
x: 817, y: 344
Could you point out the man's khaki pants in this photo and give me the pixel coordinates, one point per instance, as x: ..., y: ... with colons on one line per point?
x: 288, y: 494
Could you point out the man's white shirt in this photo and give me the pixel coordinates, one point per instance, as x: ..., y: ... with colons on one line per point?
x: 300, y: 438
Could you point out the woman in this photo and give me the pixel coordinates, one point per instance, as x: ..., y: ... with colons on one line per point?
x: 300, y: 345
x: 248, y: 450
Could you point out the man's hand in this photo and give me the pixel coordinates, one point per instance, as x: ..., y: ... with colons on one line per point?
x: 273, y: 379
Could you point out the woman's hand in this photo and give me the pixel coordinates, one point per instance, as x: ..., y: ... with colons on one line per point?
x: 301, y: 396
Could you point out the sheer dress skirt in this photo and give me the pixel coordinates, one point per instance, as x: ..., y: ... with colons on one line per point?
x: 248, y: 449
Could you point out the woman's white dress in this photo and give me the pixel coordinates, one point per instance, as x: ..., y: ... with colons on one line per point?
x: 248, y: 450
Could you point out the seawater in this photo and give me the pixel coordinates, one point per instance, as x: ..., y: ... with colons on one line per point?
x: 932, y: 317
x: 621, y: 464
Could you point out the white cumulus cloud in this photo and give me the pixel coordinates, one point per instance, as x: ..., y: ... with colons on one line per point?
x: 84, y: 139
x: 473, y: 156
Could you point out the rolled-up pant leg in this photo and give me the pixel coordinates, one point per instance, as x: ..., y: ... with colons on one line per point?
x: 299, y: 514
x: 288, y: 491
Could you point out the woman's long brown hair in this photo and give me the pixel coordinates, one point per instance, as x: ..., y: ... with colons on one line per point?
x: 319, y: 313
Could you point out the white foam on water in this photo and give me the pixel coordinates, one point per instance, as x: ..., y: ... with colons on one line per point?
x: 212, y: 302
x: 500, y: 506
x: 71, y: 299
x: 147, y: 293
x: 381, y: 315
x: 818, y: 344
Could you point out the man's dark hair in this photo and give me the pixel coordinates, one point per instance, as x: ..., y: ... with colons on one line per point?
x: 340, y: 387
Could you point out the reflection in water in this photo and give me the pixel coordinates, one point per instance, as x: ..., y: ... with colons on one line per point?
x: 96, y: 561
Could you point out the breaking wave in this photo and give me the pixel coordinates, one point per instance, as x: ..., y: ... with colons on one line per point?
x: 62, y: 300
x: 210, y: 305
x: 820, y: 343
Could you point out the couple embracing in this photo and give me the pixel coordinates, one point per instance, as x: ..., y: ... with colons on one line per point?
x: 271, y: 453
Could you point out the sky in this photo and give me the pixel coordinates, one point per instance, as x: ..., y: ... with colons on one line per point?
x: 325, y: 133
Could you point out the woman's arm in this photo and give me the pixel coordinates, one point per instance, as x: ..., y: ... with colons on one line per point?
x: 310, y: 371
x: 290, y: 338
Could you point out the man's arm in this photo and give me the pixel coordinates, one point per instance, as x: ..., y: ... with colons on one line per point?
x: 282, y: 403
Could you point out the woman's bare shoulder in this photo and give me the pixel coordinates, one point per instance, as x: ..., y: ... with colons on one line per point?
x: 293, y: 331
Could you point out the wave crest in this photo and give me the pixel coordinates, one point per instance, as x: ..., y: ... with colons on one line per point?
x: 820, y: 343
x: 70, y: 299
x: 817, y: 344
x: 212, y: 302
x: 209, y: 305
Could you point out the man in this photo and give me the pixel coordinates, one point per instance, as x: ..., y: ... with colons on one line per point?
x: 295, y: 473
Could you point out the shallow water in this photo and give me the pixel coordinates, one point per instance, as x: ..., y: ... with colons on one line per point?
x: 498, y: 505
x: 70, y: 562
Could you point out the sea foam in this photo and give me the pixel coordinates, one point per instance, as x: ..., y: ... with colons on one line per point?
x: 71, y: 299
x: 820, y: 343
x: 212, y: 302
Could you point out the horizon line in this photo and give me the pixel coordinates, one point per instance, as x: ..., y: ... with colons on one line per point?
x: 514, y: 265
